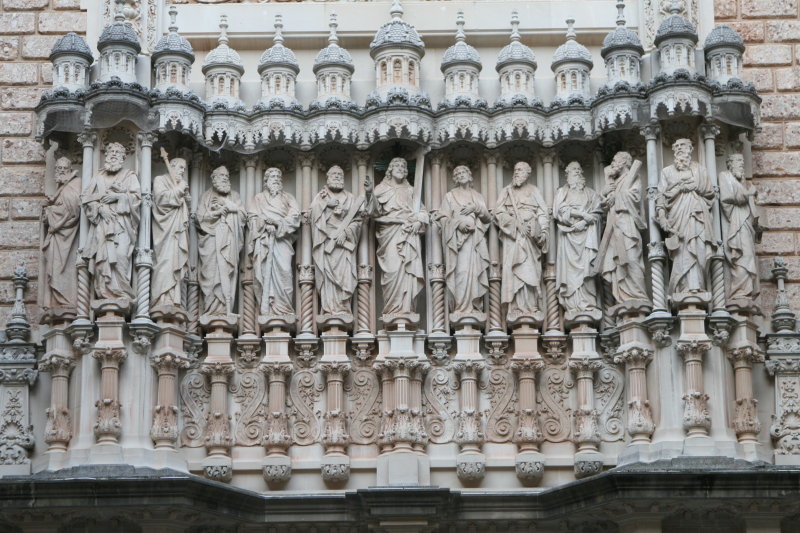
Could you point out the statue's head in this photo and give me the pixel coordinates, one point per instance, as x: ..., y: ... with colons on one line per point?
x: 335, y: 178
x: 273, y: 180
x: 735, y: 164
x: 115, y: 157
x: 63, y: 170
x: 682, y: 149
x: 398, y: 169
x: 575, y: 178
x: 622, y: 161
x: 178, y: 166
x: 522, y: 171
x: 221, y: 180
x: 462, y: 174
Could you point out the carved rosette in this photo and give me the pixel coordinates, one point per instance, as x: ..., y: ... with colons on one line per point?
x: 471, y: 471
x: 276, y: 475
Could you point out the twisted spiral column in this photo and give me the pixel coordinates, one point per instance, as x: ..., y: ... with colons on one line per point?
x: 248, y: 302
x: 553, y: 314
x: 144, y: 264
x: 363, y: 302
x: 193, y: 301
x: 82, y: 304
x: 437, y: 296
x: 306, y: 277
x: 495, y: 308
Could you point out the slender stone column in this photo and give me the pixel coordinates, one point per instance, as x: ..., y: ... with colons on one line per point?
x: 554, y: 339
x: 385, y: 442
x: 470, y: 463
x: 59, y: 363
x: 168, y: 358
x: 529, y: 462
x: 696, y: 418
x: 305, y: 341
x: 335, y: 464
x: 660, y: 320
x: 720, y: 320
x: 495, y: 324
x: 142, y: 327
x: 81, y: 328
x: 588, y: 460
x: 745, y: 420
x: 193, y: 290
x: 640, y: 418
x: 436, y: 265
x: 277, y: 466
x: 364, y: 339
x: 108, y: 427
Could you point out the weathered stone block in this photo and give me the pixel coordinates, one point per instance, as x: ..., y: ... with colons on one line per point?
x: 10, y: 259
x: 38, y: 46
x: 781, y: 218
x: 20, y: 97
x: 751, y: 31
x: 787, y: 79
x: 21, y: 180
x: 780, y: 106
x: 61, y: 23
x: 19, y: 74
x: 24, y: 4
x: 15, y: 123
x: 776, y: 163
x: 19, y: 234
x: 30, y: 208
x: 16, y: 23
x: 792, y: 134
x: 67, y: 4
x: 22, y: 151
x: 770, y: 136
x: 725, y: 9
x: 765, y: 265
x: 4, y: 208
x: 760, y: 77
x: 46, y: 70
x: 777, y: 192
x: 9, y: 48
x: 768, y: 54
x: 769, y: 8
x: 776, y: 242
x: 783, y: 30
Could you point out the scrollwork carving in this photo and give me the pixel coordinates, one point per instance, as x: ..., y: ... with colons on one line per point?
x: 363, y: 391
x: 499, y: 389
x: 441, y: 410
x: 304, y: 392
x: 555, y: 413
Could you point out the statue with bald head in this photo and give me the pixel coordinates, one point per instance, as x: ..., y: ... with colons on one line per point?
x: 61, y: 217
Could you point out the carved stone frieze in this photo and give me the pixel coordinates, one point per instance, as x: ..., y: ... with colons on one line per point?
x: 248, y: 387
x: 440, y: 404
x: 16, y: 435
x: 553, y: 399
x: 305, y: 396
x: 195, y: 393
x: 363, y: 399
x: 498, y: 385
x: 609, y: 398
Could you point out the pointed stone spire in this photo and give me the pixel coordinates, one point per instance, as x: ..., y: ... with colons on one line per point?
x: 223, y: 30
x: 675, y: 7
x: 119, y: 16
x: 783, y: 318
x: 460, y: 35
x: 571, y: 35
x: 515, y: 36
x: 173, y: 19
x: 397, y: 10
x: 333, y: 39
x: 278, y: 39
x: 621, y: 13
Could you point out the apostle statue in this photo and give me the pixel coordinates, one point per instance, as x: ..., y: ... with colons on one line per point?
x: 737, y: 196
x: 683, y: 210
x: 273, y: 217
x: 576, y: 210
x: 620, y: 258
x: 111, y: 202
x: 170, y: 234
x: 522, y: 218
x: 335, y: 228
x: 220, y: 238
x: 464, y: 220
x: 399, y: 221
x: 61, y: 217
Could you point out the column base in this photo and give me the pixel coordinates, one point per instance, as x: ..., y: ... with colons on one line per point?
x: 403, y: 468
x: 754, y: 452
x: 634, y: 453
x: 529, y: 467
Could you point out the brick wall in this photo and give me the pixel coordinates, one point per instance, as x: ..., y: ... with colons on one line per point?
x: 28, y: 29
x: 771, y: 30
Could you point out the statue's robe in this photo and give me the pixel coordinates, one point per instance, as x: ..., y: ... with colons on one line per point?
x: 60, y: 245
x: 739, y: 208
x: 170, y: 241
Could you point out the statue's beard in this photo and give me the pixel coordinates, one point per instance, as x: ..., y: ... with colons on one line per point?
x: 519, y: 181
x: 222, y: 188
x: 738, y: 173
x: 336, y: 186
x: 63, y: 177
x: 576, y: 184
x: 274, y: 189
x: 113, y: 166
x: 682, y: 161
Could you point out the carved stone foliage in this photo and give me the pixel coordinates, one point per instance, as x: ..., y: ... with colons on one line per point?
x: 785, y: 428
x: 249, y: 389
x: 16, y: 436
x: 305, y: 393
x: 498, y: 386
x: 440, y: 405
x: 195, y: 397
x: 553, y: 399
x: 608, y: 393
x: 363, y: 399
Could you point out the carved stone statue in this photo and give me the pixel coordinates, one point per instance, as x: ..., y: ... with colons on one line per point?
x: 273, y: 217
x: 170, y: 234
x: 683, y: 210
x: 398, y: 225
x: 335, y: 228
x: 521, y: 216
x: 61, y: 217
x: 737, y: 197
x: 220, y: 237
x: 576, y: 209
x: 620, y: 258
x: 464, y: 220
x: 111, y: 202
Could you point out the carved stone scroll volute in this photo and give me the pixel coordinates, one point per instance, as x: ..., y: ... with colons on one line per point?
x: 249, y: 391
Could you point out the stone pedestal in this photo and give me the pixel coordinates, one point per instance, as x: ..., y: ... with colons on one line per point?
x: 335, y: 464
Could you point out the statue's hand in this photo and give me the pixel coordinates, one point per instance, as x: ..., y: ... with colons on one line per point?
x: 467, y: 209
x: 270, y: 229
x: 580, y: 225
x: 465, y: 226
x: 109, y: 198
x: 341, y: 239
x: 333, y: 202
x: 541, y: 239
x: 368, y: 186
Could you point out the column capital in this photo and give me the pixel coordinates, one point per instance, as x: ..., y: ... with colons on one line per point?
x: 492, y: 157
x: 651, y: 131
x: 709, y: 131
x: 548, y: 156
x: 250, y: 161
x: 362, y: 158
x: 306, y: 159
x: 146, y: 138
x: 87, y: 139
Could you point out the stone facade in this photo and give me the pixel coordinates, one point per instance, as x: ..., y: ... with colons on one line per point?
x: 270, y: 394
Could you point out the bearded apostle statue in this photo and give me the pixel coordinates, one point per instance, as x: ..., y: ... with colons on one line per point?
x: 576, y: 210
x: 683, y: 210
x: 111, y: 202
x: 398, y: 225
x: 522, y: 218
x: 273, y: 217
x: 336, y: 216
x: 464, y: 220
x: 220, y: 238
x: 741, y: 216
x: 170, y: 234
x: 620, y: 257
x: 61, y: 220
